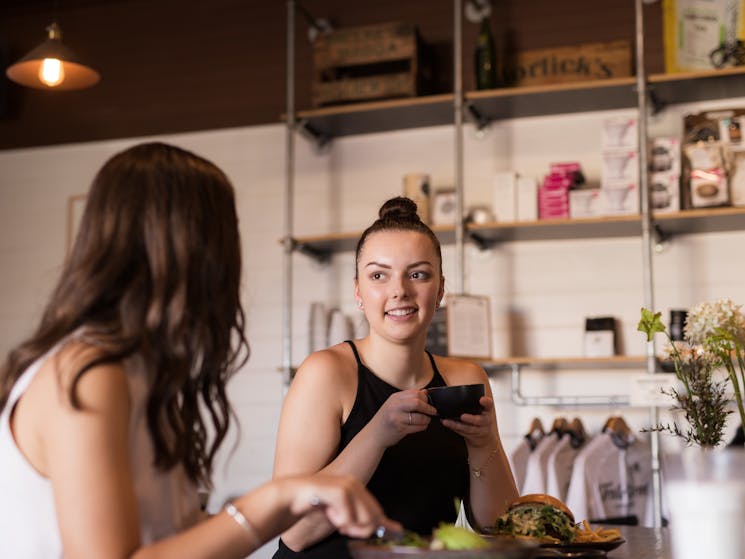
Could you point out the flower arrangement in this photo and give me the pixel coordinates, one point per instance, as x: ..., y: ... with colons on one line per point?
x: 714, y: 339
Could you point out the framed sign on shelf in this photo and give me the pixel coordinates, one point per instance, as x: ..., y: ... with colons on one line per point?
x: 469, y: 326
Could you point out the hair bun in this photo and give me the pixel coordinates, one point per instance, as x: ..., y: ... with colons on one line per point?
x: 399, y: 208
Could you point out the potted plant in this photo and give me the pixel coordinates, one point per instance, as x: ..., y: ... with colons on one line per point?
x: 714, y: 339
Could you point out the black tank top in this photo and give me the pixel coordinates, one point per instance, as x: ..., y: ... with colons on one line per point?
x: 417, y: 479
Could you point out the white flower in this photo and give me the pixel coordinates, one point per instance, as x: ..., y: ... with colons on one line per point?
x: 705, y: 319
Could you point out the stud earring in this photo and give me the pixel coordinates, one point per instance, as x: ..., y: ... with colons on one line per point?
x: 359, y: 303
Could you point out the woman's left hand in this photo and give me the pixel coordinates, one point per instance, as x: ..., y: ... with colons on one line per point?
x: 478, y: 430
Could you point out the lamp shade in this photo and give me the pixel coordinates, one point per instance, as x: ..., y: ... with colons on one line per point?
x: 67, y: 70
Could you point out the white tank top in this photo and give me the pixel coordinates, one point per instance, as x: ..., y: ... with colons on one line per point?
x: 167, y: 502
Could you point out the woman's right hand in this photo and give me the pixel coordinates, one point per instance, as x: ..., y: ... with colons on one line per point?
x: 345, y: 501
x: 405, y: 412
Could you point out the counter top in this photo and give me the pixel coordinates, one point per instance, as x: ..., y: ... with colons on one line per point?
x: 643, y: 543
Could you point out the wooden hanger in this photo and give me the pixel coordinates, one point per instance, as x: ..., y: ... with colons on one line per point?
x: 576, y: 430
x: 619, y: 430
x: 536, y: 427
x: 535, y: 432
x: 559, y: 426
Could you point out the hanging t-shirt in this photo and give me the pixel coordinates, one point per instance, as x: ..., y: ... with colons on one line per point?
x: 518, y: 458
x: 560, y: 465
x: 535, y: 472
x: 611, y: 481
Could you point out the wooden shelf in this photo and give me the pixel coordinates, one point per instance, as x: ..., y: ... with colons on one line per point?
x: 564, y: 228
x: 675, y: 223
x: 616, y: 361
x: 702, y: 220
x: 516, y: 102
x: 380, y: 116
x: 433, y: 110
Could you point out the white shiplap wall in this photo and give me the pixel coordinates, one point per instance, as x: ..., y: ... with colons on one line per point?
x: 550, y: 285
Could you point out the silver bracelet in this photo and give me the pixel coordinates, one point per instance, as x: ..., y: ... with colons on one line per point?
x: 243, y: 522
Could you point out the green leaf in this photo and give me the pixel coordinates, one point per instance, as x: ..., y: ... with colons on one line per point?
x: 650, y: 323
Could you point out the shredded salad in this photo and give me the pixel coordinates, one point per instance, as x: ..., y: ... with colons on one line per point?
x: 543, y: 522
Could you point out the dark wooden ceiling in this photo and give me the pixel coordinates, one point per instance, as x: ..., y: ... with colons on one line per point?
x: 172, y: 66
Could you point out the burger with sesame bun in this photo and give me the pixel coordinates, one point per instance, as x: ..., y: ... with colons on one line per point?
x: 537, y: 516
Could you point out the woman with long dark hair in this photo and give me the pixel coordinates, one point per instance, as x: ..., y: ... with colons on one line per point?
x: 112, y: 412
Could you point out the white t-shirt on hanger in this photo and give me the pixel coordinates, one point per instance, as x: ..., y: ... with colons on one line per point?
x: 559, y: 467
x: 535, y: 473
x: 609, y: 481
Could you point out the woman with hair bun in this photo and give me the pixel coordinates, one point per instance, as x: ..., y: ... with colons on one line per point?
x: 360, y: 407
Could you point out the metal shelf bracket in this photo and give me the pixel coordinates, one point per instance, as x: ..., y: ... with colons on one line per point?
x: 292, y: 245
x: 482, y: 242
x: 481, y: 121
x: 661, y: 238
x: 322, y: 140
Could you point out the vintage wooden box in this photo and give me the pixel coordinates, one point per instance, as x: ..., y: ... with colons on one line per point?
x: 371, y: 62
x: 586, y: 62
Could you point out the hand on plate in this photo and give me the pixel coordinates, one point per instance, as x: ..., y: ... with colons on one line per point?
x: 345, y: 501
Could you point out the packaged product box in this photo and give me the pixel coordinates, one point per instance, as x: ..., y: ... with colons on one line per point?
x: 710, y: 162
x: 444, y: 207
x: 664, y: 191
x: 553, y: 196
x: 620, y: 165
x: 708, y: 187
x: 505, y: 196
x: 527, y: 199
x: 416, y: 187
x: 619, y: 198
x: 619, y: 133
x: 584, y: 202
x: 600, y: 337
x: 664, y: 155
x: 693, y: 29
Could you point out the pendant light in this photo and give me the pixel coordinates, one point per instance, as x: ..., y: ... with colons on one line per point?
x: 52, y: 66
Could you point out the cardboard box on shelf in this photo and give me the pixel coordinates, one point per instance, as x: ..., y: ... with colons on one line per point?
x: 505, y: 196
x: 709, y: 188
x: 527, y: 199
x: 619, y: 133
x: 369, y: 62
x: 620, y: 198
x: 620, y: 165
x: 574, y: 63
x: 664, y: 155
x: 443, y: 207
x: 665, y: 191
x: 600, y: 337
x: 416, y: 187
x: 693, y: 29
x: 584, y: 202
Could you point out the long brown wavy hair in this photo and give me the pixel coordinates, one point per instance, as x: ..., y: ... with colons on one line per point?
x: 155, y: 271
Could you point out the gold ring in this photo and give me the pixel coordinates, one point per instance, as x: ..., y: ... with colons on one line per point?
x: 409, y: 418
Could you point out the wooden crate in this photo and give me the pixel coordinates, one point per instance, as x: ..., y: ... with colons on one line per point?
x: 364, y: 63
x: 587, y: 62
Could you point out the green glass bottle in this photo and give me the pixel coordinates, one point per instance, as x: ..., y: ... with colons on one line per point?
x: 485, y: 58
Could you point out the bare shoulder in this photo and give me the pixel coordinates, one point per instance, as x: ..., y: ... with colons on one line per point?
x: 328, y: 366
x: 100, y: 386
x: 46, y: 421
x: 460, y: 371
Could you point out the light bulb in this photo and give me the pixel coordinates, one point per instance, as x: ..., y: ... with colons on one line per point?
x: 51, y: 72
